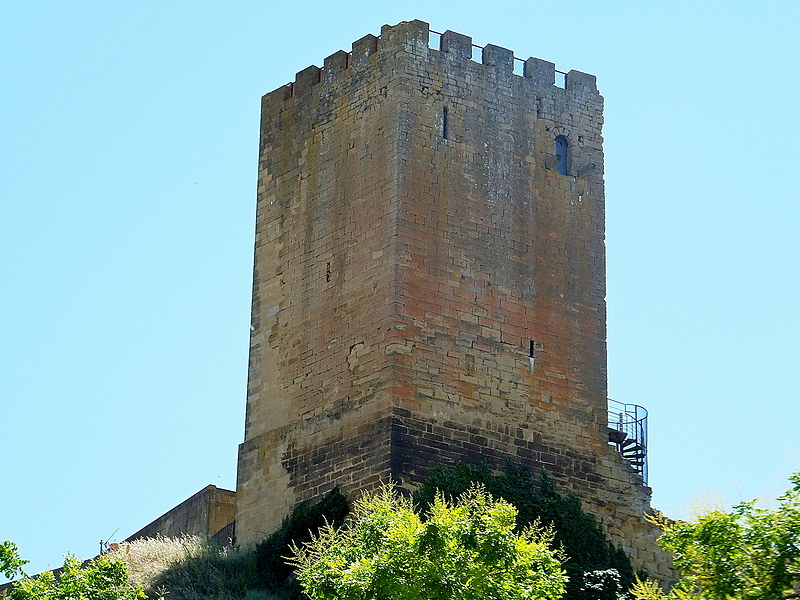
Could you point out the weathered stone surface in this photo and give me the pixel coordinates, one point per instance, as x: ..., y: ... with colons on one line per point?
x: 427, y: 287
x: 203, y: 514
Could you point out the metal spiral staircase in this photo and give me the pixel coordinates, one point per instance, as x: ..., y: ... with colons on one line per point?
x: 627, y: 431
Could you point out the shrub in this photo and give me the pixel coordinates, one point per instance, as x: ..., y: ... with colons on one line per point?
x: 465, y: 550
x: 583, y: 541
x: 751, y: 552
x: 10, y: 562
x: 104, y: 578
x: 272, y: 570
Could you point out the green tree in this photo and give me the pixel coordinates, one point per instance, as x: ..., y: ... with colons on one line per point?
x: 103, y: 578
x: 749, y: 553
x: 465, y: 550
x: 10, y: 562
x: 595, y: 568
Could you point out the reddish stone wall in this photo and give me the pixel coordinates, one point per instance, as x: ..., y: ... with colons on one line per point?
x: 497, y: 252
x: 415, y: 245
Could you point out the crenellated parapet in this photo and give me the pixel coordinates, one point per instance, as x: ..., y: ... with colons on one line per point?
x: 572, y: 111
x: 413, y: 38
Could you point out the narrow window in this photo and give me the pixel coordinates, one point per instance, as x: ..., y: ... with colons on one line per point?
x: 444, y: 123
x: 532, y: 355
x: 561, y: 154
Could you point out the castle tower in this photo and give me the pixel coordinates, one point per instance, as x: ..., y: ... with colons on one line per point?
x: 429, y: 281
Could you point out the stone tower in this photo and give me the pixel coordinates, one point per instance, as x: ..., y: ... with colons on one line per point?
x: 429, y: 280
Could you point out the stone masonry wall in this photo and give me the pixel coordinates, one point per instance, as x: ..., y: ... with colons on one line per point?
x: 204, y: 514
x: 319, y: 409
x: 428, y: 287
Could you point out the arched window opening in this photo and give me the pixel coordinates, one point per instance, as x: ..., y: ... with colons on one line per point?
x: 561, y: 154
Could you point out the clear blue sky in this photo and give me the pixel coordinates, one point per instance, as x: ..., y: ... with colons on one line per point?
x: 128, y: 147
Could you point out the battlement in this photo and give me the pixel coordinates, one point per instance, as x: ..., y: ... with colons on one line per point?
x: 413, y: 38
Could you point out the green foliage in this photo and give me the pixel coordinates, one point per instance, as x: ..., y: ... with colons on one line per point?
x: 192, y: 568
x: 465, y: 550
x: 10, y: 562
x: 583, y: 541
x: 195, y: 569
x: 103, y: 578
x: 604, y: 585
x: 749, y: 553
x: 273, y: 572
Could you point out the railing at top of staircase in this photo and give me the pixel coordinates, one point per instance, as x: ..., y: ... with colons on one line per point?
x: 627, y: 431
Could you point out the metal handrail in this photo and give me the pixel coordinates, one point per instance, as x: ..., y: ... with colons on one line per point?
x: 627, y: 428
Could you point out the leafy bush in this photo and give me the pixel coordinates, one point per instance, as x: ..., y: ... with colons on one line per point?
x: 10, y: 562
x: 272, y: 571
x: 750, y: 553
x: 104, y: 578
x: 583, y: 541
x: 190, y: 568
x: 604, y: 585
x: 464, y: 550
